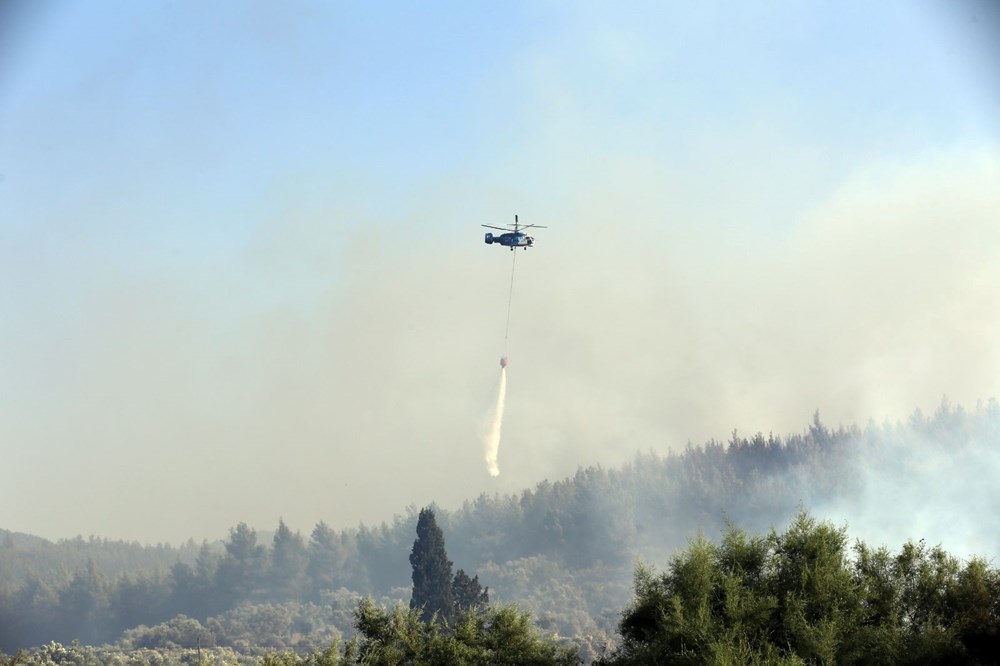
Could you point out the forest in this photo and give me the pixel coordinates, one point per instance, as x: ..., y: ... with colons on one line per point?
x: 566, y: 553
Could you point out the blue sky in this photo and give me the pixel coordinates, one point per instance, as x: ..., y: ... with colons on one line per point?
x: 240, y: 249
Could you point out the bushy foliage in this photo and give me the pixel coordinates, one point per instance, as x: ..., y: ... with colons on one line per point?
x: 57, y: 654
x: 578, y: 604
x: 302, y: 627
x: 491, y: 635
x: 801, y: 596
x: 179, y: 632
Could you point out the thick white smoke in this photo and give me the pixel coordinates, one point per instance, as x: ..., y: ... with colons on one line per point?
x: 491, y: 444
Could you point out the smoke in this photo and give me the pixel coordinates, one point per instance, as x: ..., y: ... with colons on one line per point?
x: 942, y: 470
x: 491, y: 443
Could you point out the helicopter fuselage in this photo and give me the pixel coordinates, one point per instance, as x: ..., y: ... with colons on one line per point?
x: 511, y: 239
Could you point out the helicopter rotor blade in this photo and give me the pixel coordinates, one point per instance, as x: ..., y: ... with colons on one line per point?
x: 489, y: 226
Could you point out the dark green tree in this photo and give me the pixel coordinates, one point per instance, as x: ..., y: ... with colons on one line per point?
x: 431, y: 570
x: 468, y: 593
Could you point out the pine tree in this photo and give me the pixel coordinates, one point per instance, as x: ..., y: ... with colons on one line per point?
x: 431, y: 570
x: 241, y: 571
x: 324, y: 559
x: 288, y: 563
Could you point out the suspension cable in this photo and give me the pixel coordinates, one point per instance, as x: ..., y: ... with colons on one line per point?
x: 510, y: 297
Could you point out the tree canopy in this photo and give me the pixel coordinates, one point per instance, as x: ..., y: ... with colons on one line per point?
x: 801, y: 596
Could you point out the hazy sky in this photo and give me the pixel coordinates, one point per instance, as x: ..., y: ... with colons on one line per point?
x: 242, y: 274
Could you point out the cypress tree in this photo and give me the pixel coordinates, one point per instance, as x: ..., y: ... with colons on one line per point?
x: 431, y: 570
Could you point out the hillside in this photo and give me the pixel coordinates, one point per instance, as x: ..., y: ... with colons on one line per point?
x: 565, y: 550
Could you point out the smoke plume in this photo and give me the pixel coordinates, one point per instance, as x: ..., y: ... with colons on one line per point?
x: 491, y: 444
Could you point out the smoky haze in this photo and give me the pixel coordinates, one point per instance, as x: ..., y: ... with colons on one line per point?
x: 228, y: 336
x: 376, y: 388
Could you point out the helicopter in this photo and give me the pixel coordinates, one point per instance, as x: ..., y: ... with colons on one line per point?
x: 512, y: 238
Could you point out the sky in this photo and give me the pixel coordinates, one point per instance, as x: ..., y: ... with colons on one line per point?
x: 242, y: 276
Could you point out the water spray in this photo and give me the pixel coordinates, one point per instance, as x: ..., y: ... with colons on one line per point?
x: 491, y: 444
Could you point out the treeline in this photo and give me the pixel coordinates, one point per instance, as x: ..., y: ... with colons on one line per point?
x: 647, y: 508
x: 563, y: 550
x: 290, y: 585
x: 24, y: 556
x: 796, y: 597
